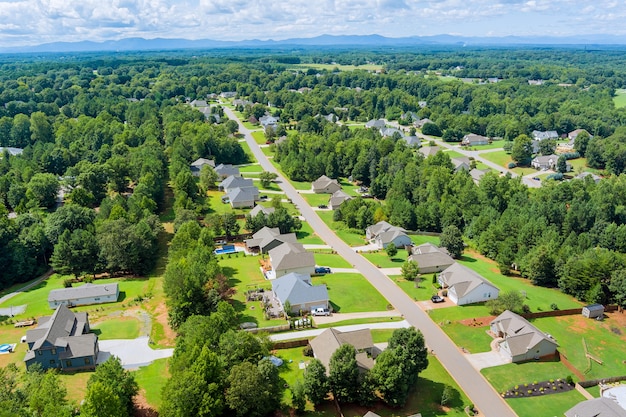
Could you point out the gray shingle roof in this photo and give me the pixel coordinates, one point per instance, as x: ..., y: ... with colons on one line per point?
x: 226, y: 170
x: 323, y: 182
x: 233, y: 181
x: 297, y: 289
x: 520, y: 335
x: 291, y: 255
x: 241, y: 195
x: 331, y: 339
x: 84, y: 291
x: 338, y: 197
x: 258, y: 209
x: 428, y: 255
x: 598, y: 407
x: 463, y: 279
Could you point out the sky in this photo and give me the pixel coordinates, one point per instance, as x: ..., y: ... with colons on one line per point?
x: 33, y: 22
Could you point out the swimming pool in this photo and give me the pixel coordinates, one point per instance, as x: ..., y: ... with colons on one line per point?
x: 5, y: 348
x: 225, y: 249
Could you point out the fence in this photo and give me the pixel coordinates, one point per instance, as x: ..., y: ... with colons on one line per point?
x: 559, y: 313
x: 291, y: 344
x: 272, y: 329
x: 593, y: 382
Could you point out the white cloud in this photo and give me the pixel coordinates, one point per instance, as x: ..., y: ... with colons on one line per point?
x: 39, y: 21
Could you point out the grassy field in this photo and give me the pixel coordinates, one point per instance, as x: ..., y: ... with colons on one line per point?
x: 347, y: 235
x: 259, y: 137
x: 358, y: 321
x: 307, y: 236
x: 382, y: 260
x: 424, y: 291
x: 453, y: 154
x: 247, y: 151
x: 339, y: 67
x: 351, y: 293
x: 419, y: 239
x: 620, y: 98
x: 151, y: 380
x: 500, y: 157
x: 550, y: 405
x: 474, y: 339
x: 315, y: 200
x: 250, y: 169
x: 493, y: 145
x: 76, y: 384
x: 331, y: 260
x: 117, y: 328
x: 524, y: 170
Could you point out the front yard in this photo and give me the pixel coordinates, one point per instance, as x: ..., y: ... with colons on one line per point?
x: 352, y: 293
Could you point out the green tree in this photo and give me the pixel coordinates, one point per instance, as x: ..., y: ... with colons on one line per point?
x: 253, y: 391
x: 581, y: 142
x: 522, y: 150
x: 42, y: 190
x: 230, y: 224
x: 102, y: 401
x: 344, y: 374
x: 298, y: 396
x: 547, y: 146
x: 617, y: 286
x: 561, y: 164
x: 509, y: 300
x: 68, y: 217
x: 208, y: 177
x: 451, y: 238
x: 316, y: 385
x: 121, y: 382
x: 46, y: 394
x: 267, y: 178
x: 410, y: 270
x: 391, y: 250
x: 75, y: 252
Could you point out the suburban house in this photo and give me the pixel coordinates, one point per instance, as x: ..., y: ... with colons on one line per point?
x: 412, y: 141
x: 331, y: 339
x: 301, y: 294
x: 474, y: 140
x: 196, y: 166
x: 429, y: 150
x: 597, y: 407
x: 521, y: 340
x: 478, y: 174
x: 228, y: 94
x: 461, y: 164
x: 382, y: 226
x: 241, y: 102
x: 232, y: 182
x: 338, y: 198
x: 226, y: 170
x: 267, y: 239
x: 62, y: 341
x: 431, y: 258
x: 209, y: 112
x: 269, y: 121
x: 583, y: 175
x: 466, y: 286
x: 375, y: 124
x: 291, y: 257
x: 84, y: 295
x: 421, y: 122
x: 199, y: 103
x: 592, y: 311
x: 549, y: 134
x: 395, y: 236
x: 242, y: 197
x: 574, y: 134
x: 544, y: 162
x: 325, y: 185
x: 258, y: 209
x: 390, y: 131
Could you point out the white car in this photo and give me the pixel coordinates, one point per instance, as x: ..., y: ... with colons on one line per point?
x: 320, y: 312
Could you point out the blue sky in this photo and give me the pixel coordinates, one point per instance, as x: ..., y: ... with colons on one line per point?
x: 28, y: 22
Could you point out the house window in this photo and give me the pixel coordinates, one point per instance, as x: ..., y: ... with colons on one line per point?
x: 51, y: 361
x: 54, y: 351
x: 39, y: 352
x: 97, y: 299
x: 87, y: 361
x: 68, y: 364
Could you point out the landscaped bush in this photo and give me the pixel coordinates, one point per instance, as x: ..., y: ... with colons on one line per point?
x: 67, y: 283
x: 556, y: 176
x: 571, y: 155
x: 307, y: 351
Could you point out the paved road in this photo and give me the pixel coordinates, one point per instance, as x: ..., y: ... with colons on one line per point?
x: 26, y: 287
x: 486, y: 399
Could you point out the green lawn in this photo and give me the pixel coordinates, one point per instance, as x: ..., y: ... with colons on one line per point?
x: 424, y: 291
x: 117, y: 328
x: 381, y: 335
x: 482, y: 166
x: 493, y: 145
x: 419, y: 239
x: 351, y: 237
x: 315, y: 200
x: 268, y: 150
x: 620, y: 98
x: 331, y: 260
x: 550, y: 405
x: 248, y: 169
x: 351, y: 293
x: 307, y: 236
x: 340, y: 67
x: 248, y: 152
x: 524, y: 170
x: 453, y: 154
x: 474, y: 339
x: 382, y: 260
x: 358, y: 321
x: 244, y: 272
x: 217, y: 206
x: 259, y: 137
x: 151, y: 380
x: 500, y: 157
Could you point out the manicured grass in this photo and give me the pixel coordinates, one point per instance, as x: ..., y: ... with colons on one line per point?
x: 315, y: 200
x: 217, y: 206
x: 500, y: 157
x: 248, y: 152
x: 259, y: 137
x: 117, y: 328
x: 504, y: 377
x: 493, y: 145
x: 151, y: 380
x: 307, y: 236
x: 351, y: 293
x: 455, y: 313
x: 474, y: 339
x: 268, y: 150
x: 524, y: 170
x: 482, y: 166
x: 602, y: 339
x: 358, y: 321
x: 331, y: 260
x: 620, y: 98
x: 424, y: 291
x: 420, y: 239
x: 76, y: 384
x: 244, y: 272
x: 453, y: 154
x: 382, y: 260
x: 347, y: 235
x: 381, y: 335
x: 253, y: 168
x: 550, y: 405
x: 537, y: 298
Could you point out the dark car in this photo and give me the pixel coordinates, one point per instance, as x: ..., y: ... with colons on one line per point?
x: 322, y: 206
x: 437, y: 299
x: 322, y: 270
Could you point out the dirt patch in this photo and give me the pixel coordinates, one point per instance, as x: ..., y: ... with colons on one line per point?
x: 612, y: 321
x: 478, y: 322
x: 142, y: 408
x: 160, y: 316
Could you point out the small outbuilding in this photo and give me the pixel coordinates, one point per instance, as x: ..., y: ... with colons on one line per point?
x: 593, y: 311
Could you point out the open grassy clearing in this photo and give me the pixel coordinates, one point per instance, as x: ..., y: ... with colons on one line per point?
x: 151, y: 380
x: 420, y: 239
x: 250, y: 169
x: 340, y: 67
x: 76, y: 384
x: 351, y: 293
x: 382, y: 260
x: 351, y: 237
x: 315, y: 200
x: 474, y: 339
x: 117, y: 328
x: 500, y: 157
x: 524, y: 170
x: 419, y: 291
x: 307, y: 236
x: 259, y: 137
x: 453, y: 154
x: 331, y: 260
x: 620, y: 98
x: 358, y: 321
x: 550, y: 405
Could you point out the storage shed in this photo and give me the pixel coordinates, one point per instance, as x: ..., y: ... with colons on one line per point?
x: 593, y: 310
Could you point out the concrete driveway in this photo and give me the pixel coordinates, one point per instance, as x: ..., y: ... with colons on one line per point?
x: 488, y: 359
x: 134, y: 353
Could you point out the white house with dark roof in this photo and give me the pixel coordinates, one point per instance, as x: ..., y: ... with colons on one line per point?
x: 465, y: 286
x: 474, y: 140
x: 83, y: 295
x: 382, y: 226
x: 242, y: 197
x: 375, y: 124
x: 232, y: 182
x: 430, y: 258
x: 521, y: 340
x: 597, y: 407
x: 269, y: 121
x: 325, y: 185
x: 62, y: 341
x: 298, y: 290
x: 196, y: 166
x: 226, y: 170
x: 338, y: 198
x: 291, y: 257
x: 267, y: 239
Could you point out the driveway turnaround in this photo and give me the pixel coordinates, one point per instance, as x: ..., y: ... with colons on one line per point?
x: 480, y: 392
x: 304, y: 334
x: 134, y: 353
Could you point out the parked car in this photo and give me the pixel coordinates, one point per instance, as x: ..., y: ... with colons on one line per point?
x: 322, y: 206
x: 437, y: 299
x: 320, y: 312
x: 322, y: 270
x: 537, y: 178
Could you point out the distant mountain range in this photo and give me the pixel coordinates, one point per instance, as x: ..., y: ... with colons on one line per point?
x: 141, y: 44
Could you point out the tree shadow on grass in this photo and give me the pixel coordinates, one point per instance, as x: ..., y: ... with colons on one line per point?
x: 336, y: 307
x: 396, y: 260
x: 465, y: 258
x: 302, y: 234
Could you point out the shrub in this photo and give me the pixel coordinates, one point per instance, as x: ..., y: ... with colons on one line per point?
x: 67, y: 283
x: 512, y: 165
x: 556, y: 176
x: 526, y: 308
x: 569, y: 380
x: 307, y: 351
x: 553, y: 306
x: 88, y: 279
